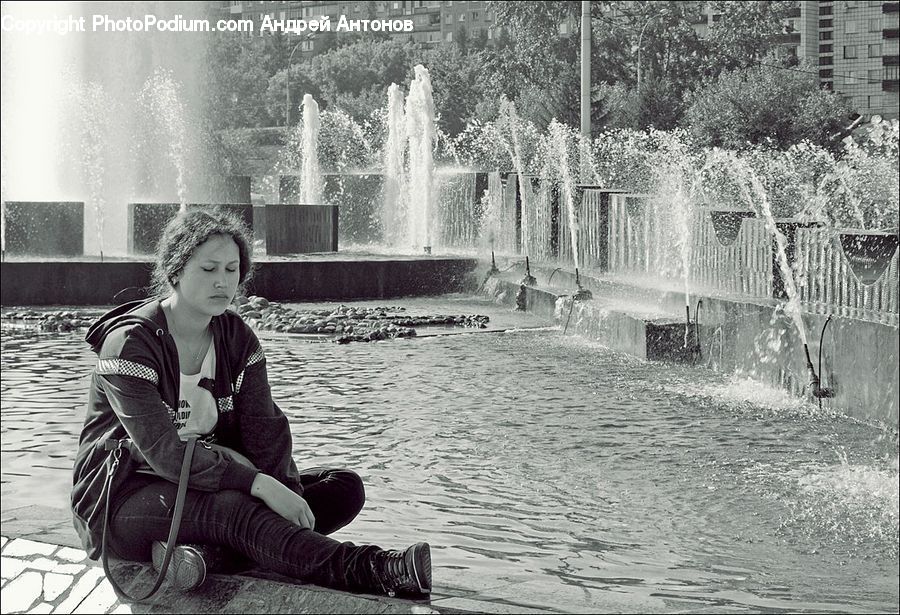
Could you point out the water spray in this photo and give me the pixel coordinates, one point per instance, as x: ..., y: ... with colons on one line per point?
x: 493, y: 271
x: 552, y: 274
x: 695, y: 347
x: 582, y: 294
x: 815, y: 385
x: 528, y: 280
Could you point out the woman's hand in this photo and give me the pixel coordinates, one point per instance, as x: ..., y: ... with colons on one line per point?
x: 283, y: 501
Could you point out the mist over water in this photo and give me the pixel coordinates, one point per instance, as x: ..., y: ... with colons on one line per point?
x: 106, y: 118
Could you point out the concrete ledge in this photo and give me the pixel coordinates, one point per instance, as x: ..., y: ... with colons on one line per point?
x: 750, y: 338
x: 45, y: 570
x: 75, y: 282
x: 647, y: 335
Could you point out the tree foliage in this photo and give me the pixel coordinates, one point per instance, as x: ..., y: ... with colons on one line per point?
x: 764, y: 104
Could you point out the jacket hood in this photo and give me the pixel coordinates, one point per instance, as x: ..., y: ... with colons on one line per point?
x: 142, y: 312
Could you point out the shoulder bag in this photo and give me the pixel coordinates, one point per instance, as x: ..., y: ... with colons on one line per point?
x: 117, y: 450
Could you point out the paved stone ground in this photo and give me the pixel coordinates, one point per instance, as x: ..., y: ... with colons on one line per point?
x: 44, y: 571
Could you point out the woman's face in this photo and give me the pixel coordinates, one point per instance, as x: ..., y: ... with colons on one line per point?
x: 210, y: 277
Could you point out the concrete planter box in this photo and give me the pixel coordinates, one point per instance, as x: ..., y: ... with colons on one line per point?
x: 359, y: 197
x: 869, y: 253
x: 788, y: 228
x: 301, y: 229
x: 727, y: 223
x: 146, y: 221
x: 36, y: 228
x: 592, y: 205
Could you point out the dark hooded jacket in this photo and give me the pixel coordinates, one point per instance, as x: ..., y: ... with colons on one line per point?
x: 134, y: 393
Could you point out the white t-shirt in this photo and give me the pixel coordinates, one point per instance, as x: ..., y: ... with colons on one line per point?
x: 196, y: 414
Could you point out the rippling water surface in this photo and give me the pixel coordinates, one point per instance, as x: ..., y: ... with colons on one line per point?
x: 531, y: 456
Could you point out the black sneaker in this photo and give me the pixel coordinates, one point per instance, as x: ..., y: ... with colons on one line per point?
x: 404, y: 572
x: 187, y: 568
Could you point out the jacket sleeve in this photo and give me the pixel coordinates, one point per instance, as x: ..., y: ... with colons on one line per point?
x: 129, y: 376
x: 264, y: 429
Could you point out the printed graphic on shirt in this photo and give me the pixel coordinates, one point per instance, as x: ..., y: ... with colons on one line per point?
x: 183, y: 414
x: 196, y: 413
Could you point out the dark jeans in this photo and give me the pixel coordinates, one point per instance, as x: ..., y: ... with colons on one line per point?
x: 245, y: 524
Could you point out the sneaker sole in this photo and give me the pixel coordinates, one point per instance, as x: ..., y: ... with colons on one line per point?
x: 421, y: 567
x: 187, y: 568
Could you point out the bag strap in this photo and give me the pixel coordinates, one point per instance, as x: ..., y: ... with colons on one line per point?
x: 115, y: 455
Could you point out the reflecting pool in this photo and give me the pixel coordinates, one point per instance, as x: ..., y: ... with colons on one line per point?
x: 527, y: 456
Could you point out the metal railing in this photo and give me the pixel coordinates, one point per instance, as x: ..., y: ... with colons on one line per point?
x: 827, y: 282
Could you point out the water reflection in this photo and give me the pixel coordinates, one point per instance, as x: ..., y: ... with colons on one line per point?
x: 529, y: 456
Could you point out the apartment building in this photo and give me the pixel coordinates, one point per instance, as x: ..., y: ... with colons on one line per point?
x: 853, y: 44
x: 434, y: 21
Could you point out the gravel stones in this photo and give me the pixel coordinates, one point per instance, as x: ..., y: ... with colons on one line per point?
x: 62, y: 320
x: 345, y: 323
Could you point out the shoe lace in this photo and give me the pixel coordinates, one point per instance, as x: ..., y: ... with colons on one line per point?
x: 391, y: 572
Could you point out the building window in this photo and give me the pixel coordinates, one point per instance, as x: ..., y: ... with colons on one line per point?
x: 874, y: 75
x: 852, y: 77
x: 826, y: 73
x: 851, y: 27
x: 851, y: 4
x: 826, y: 48
x: 826, y: 61
x: 849, y: 51
x: 826, y: 23
x: 825, y: 10
x: 875, y: 50
x: 874, y: 101
x: 462, y: 17
x: 891, y: 73
x: 475, y: 16
x: 825, y: 36
x: 448, y: 37
x: 875, y: 24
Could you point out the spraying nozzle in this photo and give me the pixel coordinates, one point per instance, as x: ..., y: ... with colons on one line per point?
x: 582, y: 294
x: 693, y: 347
x: 528, y: 280
x: 494, y: 270
x: 427, y: 249
x: 815, y: 385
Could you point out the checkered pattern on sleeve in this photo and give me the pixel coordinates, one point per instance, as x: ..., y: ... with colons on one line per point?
x: 121, y: 367
x: 256, y: 357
